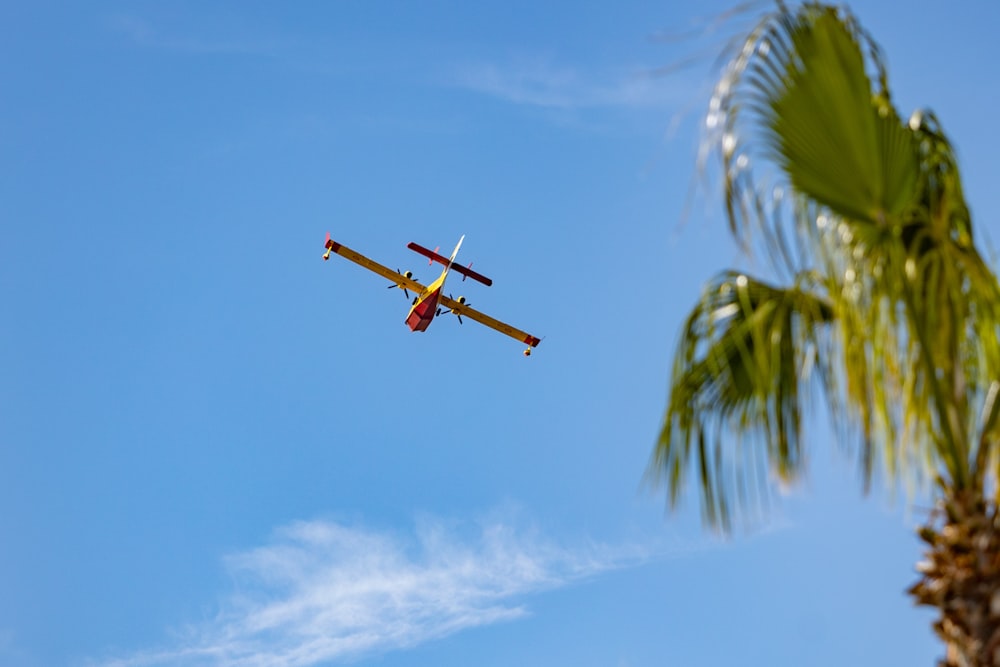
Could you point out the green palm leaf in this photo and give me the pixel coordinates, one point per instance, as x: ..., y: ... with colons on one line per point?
x: 891, y: 302
x: 800, y: 80
x: 741, y: 366
x: 838, y: 143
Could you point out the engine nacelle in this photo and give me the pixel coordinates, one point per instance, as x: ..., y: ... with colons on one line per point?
x: 461, y: 300
x: 408, y: 275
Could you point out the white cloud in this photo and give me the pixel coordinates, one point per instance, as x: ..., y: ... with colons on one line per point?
x: 540, y: 84
x: 6, y: 641
x: 143, y: 33
x: 323, y: 591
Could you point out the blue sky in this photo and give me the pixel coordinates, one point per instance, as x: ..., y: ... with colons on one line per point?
x: 216, y: 449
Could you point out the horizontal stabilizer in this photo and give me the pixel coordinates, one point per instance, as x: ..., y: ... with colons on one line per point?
x: 440, y: 259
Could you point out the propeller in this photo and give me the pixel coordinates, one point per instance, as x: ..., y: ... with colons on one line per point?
x: 460, y: 301
x: 408, y: 275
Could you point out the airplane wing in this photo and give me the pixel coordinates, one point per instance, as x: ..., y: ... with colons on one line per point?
x: 502, y: 327
x: 399, y: 279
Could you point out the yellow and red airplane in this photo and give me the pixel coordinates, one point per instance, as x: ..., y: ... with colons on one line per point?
x: 430, y: 301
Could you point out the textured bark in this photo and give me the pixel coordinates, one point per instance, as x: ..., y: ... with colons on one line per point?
x: 961, y: 578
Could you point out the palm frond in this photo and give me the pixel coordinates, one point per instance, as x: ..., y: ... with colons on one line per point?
x: 838, y: 143
x: 891, y: 301
x: 740, y: 369
x: 800, y: 84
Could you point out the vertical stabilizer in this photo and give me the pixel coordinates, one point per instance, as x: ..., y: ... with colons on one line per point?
x: 455, y: 252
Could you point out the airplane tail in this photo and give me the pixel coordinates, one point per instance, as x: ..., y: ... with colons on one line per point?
x: 466, y: 272
x: 455, y: 252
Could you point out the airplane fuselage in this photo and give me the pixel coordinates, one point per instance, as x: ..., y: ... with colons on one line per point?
x: 426, y: 304
x: 423, y: 311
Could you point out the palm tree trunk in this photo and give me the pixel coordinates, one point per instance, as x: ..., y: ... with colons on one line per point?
x: 961, y: 578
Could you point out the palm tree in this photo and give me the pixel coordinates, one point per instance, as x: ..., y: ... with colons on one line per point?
x: 878, y: 302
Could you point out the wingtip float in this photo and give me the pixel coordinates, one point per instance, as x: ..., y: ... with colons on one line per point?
x: 431, y: 301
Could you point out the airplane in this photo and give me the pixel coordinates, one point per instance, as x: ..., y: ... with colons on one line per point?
x: 430, y: 301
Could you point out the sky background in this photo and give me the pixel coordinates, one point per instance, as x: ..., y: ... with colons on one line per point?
x: 216, y: 449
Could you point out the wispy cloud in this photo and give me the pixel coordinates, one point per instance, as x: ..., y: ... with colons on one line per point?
x: 323, y: 591
x: 539, y: 83
x: 6, y: 641
x: 144, y: 33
